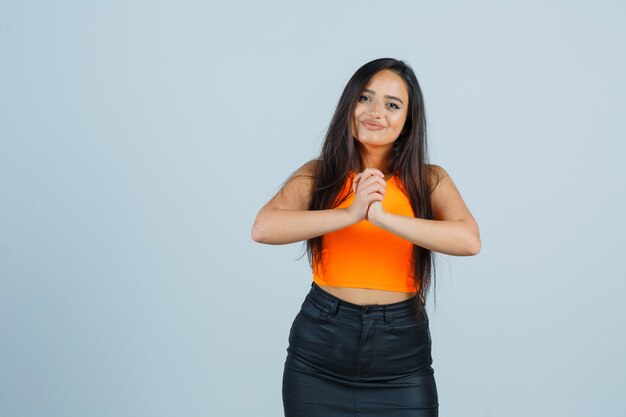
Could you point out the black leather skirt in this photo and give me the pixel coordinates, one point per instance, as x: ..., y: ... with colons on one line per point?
x: 345, y: 359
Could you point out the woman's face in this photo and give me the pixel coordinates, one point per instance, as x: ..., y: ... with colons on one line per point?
x: 381, y: 110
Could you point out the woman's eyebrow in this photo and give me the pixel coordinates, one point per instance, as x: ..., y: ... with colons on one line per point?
x: 367, y: 90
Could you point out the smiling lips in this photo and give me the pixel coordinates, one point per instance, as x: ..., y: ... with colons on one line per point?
x: 371, y: 125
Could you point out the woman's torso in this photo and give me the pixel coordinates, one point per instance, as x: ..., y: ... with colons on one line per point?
x: 367, y: 296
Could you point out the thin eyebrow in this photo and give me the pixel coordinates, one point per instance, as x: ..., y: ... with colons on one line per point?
x: 367, y: 90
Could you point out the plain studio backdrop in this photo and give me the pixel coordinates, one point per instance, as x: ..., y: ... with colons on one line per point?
x: 138, y: 140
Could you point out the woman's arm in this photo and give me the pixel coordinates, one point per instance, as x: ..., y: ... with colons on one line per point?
x: 286, y: 218
x: 453, y: 231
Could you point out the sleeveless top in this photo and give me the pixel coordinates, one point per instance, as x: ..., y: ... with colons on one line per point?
x: 366, y: 256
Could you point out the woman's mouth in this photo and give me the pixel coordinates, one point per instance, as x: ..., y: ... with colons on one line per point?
x: 372, y: 125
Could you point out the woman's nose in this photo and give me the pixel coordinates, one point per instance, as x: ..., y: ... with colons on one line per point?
x: 375, y: 109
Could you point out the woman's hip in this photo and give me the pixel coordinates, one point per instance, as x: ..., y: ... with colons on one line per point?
x: 374, y: 343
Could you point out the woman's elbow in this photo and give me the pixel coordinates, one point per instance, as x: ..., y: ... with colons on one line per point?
x: 258, y: 233
x: 474, y: 245
x: 474, y: 249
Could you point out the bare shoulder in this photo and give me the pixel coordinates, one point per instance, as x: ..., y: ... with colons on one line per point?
x: 446, y: 200
x: 295, y: 192
x: 435, y: 174
x: 308, y: 170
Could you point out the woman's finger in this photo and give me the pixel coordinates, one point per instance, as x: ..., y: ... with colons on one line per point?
x: 374, y: 179
x: 374, y: 197
x: 355, y: 182
x: 373, y: 171
x: 368, y: 172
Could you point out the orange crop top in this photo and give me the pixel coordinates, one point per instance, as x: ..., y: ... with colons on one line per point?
x: 366, y: 256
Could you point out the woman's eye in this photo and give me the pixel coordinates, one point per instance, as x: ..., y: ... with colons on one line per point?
x: 395, y: 106
x: 363, y: 98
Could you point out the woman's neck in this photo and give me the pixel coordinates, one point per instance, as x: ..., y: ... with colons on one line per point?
x: 376, y: 158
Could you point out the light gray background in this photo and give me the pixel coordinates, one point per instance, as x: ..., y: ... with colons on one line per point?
x: 138, y: 139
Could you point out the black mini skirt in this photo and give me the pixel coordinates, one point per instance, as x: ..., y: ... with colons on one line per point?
x: 345, y: 359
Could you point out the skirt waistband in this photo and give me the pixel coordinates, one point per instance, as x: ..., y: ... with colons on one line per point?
x: 333, y: 304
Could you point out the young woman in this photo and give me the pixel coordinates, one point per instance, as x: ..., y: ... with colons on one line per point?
x: 372, y: 211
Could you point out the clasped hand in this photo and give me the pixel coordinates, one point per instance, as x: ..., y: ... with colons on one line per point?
x: 369, y: 189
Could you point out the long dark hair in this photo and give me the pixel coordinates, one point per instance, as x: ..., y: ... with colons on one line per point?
x: 409, y: 161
